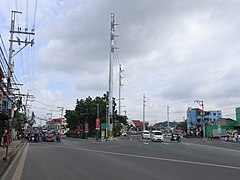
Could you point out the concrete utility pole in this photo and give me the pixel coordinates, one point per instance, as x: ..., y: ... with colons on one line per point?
x: 106, y: 131
x: 219, y: 123
x: 27, y: 41
x: 168, y: 130
x: 60, y: 128
x: 26, y: 104
x: 120, y: 85
x: 11, y: 64
x: 97, y: 128
x: 110, y: 95
x: 144, y: 106
x: 203, y: 122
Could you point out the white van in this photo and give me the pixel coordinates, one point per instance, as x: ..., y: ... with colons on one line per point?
x: 146, y: 134
x: 157, y: 136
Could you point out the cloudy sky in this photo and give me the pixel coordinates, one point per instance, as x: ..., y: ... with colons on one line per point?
x: 173, y: 51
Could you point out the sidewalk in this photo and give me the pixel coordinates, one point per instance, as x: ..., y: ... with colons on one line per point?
x: 12, y: 150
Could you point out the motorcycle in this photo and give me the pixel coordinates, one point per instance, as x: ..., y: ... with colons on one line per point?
x: 31, y: 138
x: 176, y: 138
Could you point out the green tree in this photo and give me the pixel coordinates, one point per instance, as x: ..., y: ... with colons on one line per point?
x: 119, y: 121
x: 87, y: 110
x: 183, y: 125
x: 20, y: 117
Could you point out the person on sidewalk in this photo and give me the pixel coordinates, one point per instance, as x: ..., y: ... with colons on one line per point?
x: 58, y: 138
x: 5, y: 140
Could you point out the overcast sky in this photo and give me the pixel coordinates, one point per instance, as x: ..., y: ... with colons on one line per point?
x: 174, y: 51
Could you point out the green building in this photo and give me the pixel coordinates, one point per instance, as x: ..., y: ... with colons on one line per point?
x: 237, y: 125
x: 222, y: 126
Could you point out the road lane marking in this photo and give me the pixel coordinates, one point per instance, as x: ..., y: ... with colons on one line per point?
x: 166, y: 143
x: 145, y: 143
x: 202, y: 145
x: 18, y: 172
x: 152, y: 158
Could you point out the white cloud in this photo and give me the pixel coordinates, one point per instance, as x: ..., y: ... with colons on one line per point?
x: 174, y: 51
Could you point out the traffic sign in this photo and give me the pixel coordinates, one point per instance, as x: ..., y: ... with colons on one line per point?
x: 103, y: 125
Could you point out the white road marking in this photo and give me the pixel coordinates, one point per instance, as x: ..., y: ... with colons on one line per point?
x: 166, y: 143
x: 18, y: 172
x: 189, y: 144
x: 153, y: 158
x: 145, y: 143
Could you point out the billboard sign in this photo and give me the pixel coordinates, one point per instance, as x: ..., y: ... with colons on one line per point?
x: 78, y: 129
x: 98, y: 123
x: 86, y: 127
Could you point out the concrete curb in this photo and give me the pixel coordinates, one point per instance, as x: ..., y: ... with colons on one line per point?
x: 13, y: 149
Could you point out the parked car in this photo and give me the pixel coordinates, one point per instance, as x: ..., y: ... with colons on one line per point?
x: 238, y: 138
x: 146, y: 134
x: 156, y: 136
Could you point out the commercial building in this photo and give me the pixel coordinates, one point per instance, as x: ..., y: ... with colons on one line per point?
x: 211, y: 123
x: 59, y: 124
x: 197, y: 119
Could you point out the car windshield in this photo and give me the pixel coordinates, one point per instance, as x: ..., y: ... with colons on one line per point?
x: 145, y: 132
x: 157, y: 133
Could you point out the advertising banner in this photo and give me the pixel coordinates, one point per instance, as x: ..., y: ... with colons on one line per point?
x: 86, y: 127
x: 78, y: 129
x: 98, y: 123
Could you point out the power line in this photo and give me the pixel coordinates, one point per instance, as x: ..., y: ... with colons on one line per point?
x: 45, y: 109
x: 136, y: 94
x: 45, y: 104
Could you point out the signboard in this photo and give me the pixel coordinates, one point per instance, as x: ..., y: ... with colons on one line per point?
x: 103, y: 125
x: 54, y: 126
x: 98, y: 123
x: 78, y: 129
x: 86, y: 127
x: 4, y: 105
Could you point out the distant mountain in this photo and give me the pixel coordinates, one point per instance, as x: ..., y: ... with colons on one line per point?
x: 165, y: 123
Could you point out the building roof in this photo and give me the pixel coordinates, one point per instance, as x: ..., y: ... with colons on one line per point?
x: 137, y: 123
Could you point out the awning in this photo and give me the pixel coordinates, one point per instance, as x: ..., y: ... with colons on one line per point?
x: 236, y: 126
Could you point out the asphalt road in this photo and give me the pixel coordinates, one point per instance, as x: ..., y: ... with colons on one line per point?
x: 128, y: 158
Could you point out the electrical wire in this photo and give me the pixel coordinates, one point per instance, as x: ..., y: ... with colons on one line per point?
x: 2, y: 63
x: 42, y: 119
x: 45, y: 109
x: 45, y: 104
x: 35, y: 15
x: 5, y: 51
